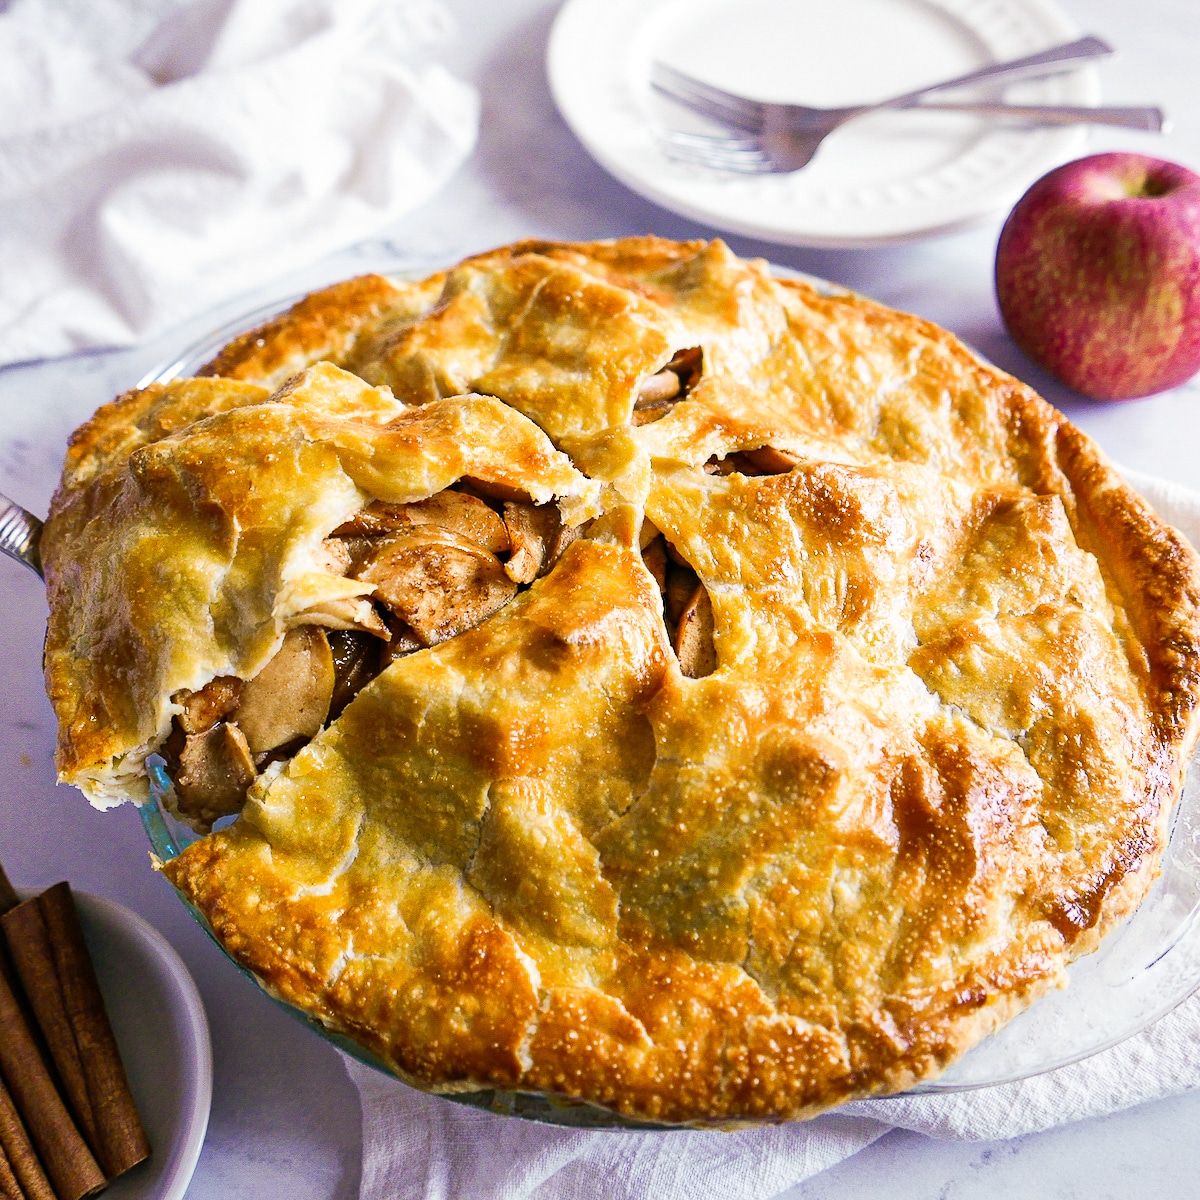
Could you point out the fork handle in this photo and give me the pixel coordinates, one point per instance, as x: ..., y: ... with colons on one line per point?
x: 1149, y: 117
x: 20, y: 535
x: 1031, y: 66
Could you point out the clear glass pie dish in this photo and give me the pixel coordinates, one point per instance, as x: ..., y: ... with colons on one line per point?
x: 1141, y: 971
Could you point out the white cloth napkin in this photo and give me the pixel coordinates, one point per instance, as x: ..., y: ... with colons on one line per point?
x: 418, y: 1147
x: 158, y: 156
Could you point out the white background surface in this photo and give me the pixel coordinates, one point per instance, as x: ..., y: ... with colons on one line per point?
x: 285, y: 1122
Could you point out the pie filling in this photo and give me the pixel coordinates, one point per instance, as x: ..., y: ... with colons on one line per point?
x: 687, y: 609
x: 766, y: 460
x: 665, y: 389
x: 438, y: 567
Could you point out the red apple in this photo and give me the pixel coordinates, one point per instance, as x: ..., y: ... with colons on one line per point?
x: 1098, y: 274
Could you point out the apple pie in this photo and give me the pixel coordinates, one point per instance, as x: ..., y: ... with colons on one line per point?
x: 618, y: 674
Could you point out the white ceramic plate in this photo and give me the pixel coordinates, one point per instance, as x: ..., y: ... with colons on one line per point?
x: 883, y: 178
x: 162, y: 1033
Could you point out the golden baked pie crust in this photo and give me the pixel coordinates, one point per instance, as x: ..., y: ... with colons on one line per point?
x: 957, y: 671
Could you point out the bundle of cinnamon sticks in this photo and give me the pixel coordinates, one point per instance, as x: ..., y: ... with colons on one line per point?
x: 68, y: 1124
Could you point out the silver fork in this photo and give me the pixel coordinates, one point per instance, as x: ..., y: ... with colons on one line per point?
x: 781, y: 150
x: 788, y: 134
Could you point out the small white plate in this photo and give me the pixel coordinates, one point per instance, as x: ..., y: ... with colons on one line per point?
x: 162, y: 1033
x: 884, y: 178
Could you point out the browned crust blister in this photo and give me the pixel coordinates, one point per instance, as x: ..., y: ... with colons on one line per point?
x: 822, y: 694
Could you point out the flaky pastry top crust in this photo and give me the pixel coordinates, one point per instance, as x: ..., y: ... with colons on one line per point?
x: 957, y: 665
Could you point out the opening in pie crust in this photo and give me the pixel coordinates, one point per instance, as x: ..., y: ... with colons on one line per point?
x: 659, y: 393
x: 687, y: 608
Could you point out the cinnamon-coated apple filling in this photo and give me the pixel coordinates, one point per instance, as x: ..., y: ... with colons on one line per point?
x: 439, y: 567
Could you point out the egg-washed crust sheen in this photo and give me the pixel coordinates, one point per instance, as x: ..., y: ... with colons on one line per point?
x: 956, y: 684
x: 336, y: 325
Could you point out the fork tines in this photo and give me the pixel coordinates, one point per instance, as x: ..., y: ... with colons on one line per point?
x: 720, y: 106
x: 740, y: 155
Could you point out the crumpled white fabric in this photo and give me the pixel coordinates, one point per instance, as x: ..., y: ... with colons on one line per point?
x: 158, y: 156
x: 418, y: 1147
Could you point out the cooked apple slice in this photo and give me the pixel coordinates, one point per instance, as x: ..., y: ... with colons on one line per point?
x: 346, y: 612
x: 436, y: 582
x: 356, y: 661
x: 538, y: 539
x: 202, y: 709
x: 215, y: 769
x: 289, y: 698
x: 376, y: 519
x: 694, y: 644
x: 529, y: 529
x: 493, y: 490
x: 654, y: 555
x: 647, y: 414
x: 659, y: 393
x: 657, y: 388
x: 468, y: 516
x: 766, y: 460
x: 731, y: 464
x: 403, y: 641
x: 332, y: 556
x: 688, y: 365
x: 680, y: 587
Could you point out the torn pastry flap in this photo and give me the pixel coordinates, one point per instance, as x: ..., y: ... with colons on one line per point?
x: 726, y: 428
x: 387, y: 581
x: 472, y: 438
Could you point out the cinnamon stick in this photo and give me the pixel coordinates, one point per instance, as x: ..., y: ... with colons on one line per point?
x: 10, y: 1189
x: 120, y: 1139
x: 33, y: 957
x: 66, y: 1159
x: 19, y: 1153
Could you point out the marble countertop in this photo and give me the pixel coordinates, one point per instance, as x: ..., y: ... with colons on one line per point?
x: 285, y: 1119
